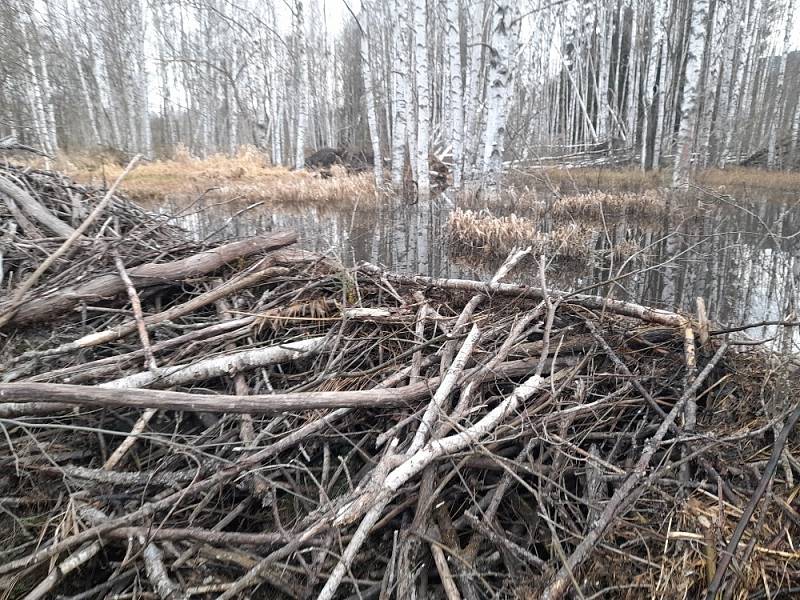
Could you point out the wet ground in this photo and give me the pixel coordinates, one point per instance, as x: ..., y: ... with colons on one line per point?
x: 739, y: 252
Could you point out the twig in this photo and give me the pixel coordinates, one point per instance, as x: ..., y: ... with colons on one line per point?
x: 625, y: 492
x: 747, y: 513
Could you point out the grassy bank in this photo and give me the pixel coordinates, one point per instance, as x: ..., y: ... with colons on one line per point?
x: 249, y: 177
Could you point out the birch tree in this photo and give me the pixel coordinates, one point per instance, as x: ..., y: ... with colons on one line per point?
x: 694, y: 60
x: 423, y: 98
x: 229, y: 73
x: 302, y: 96
x: 456, y: 90
x: 505, y: 29
x: 777, y: 116
x: 369, y: 99
x: 400, y: 92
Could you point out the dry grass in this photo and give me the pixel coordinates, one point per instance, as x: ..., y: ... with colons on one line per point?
x: 491, y: 236
x: 590, y: 207
x: 581, y: 179
x: 247, y: 177
x: 743, y: 177
x: 631, y: 179
x: 597, y: 206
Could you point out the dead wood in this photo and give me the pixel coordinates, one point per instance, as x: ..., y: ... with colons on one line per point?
x: 33, y: 208
x: 109, y: 286
x: 292, y: 428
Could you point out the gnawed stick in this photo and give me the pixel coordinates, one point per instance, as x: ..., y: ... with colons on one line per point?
x: 157, y: 572
x: 10, y: 310
x: 690, y: 412
x: 107, y: 286
x: 246, y: 431
x: 469, y: 309
x: 443, y: 568
x: 372, y: 503
x: 33, y: 208
x: 618, y: 307
x: 126, y: 444
x: 150, y: 363
x: 136, y: 305
x: 433, y: 412
x: 222, y: 365
x: 64, y: 568
x: 83, y: 395
x: 109, y: 335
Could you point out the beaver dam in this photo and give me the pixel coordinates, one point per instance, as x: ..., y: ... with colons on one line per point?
x: 244, y: 418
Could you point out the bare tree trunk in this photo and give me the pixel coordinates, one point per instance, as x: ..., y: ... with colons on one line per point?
x: 423, y: 98
x: 369, y: 99
x: 473, y: 94
x: 603, y: 35
x: 302, y: 87
x: 505, y: 29
x: 400, y: 92
x: 683, y: 159
x: 777, y: 113
x: 146, y: 146
x: 456, y: 90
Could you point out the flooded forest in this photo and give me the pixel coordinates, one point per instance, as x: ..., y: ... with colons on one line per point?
x: 399, y: 299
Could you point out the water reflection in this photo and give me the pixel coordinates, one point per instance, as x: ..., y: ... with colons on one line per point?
x: 740, y: 253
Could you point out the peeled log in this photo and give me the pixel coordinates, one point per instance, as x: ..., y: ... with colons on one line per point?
x: 108, y: 286
x: 83, y: 395
x: 31, y: 207
x: 219, y: 366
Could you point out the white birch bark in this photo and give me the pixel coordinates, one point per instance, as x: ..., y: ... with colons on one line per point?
x: 683, y: 159
x: 400, y: 92
x: 302, y: 86
x: 632, y: 81
x: 146, y: 145
x: 87, y: 98
x: 107, y: 104
x: 505, y: 30
x: 472, y: 96
x: 369, y: 99
x: 777, y: 113
x: 603, y: 33
x: 36, y: 100
x: 716, y: 49
x: 49, y: 110
x: 650, y: 81
x: 665, y: 79
x: 423, y: 98
x: 738, y: 75
x: 456, y: 90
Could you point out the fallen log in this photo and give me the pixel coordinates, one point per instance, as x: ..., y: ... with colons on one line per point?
x: 109, y: 286
x: 219, y: 366
x: 33, y: 208
x: 104, y: 397
x: 601, y: 303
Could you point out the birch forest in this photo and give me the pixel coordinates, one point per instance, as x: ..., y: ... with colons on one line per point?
x: 399, y: 299
x: 477, y: 83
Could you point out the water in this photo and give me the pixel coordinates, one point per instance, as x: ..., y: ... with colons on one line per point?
x: 740, y: 253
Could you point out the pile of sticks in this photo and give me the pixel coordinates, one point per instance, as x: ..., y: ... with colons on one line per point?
x: 253, y: 420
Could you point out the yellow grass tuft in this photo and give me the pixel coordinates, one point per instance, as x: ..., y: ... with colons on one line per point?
x: 632, y: 179
x: 744, y: 177
x: 491, y: 236
x: 598, y: 206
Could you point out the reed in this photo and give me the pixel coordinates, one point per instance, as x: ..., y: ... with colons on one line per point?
x: 481, y: 233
